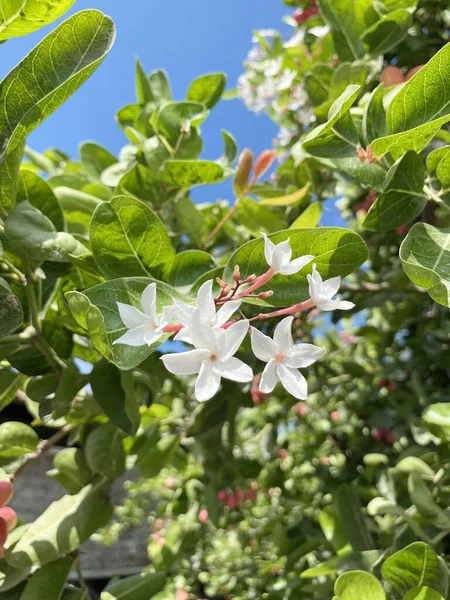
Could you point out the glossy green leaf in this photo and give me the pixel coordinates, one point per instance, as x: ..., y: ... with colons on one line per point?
x: 438, y: 161
x: 10, y: 577
x: 44, y: 80
x: 17, y: 439
x: 425, y: 256
x: 154, y: 454
x: 63, y: 527
x: 71, y: 469
x: 207, y: 89
x: 402, y: 198
x: 111, y: 395
x: 423, y: 499
x: 423, y: 593
x: 336, y: 251
x: 317, y: 83
x: 95, y: 159
x: 104, y: 451
x: 38, y: 192
x: 144, y: 92
x: 191, y: 220
x: 310, y: 217
x: 187, y: 267
x: 137, y: 587
x: 288, y: 200
x: 413, y: 566
x: 358, y: 584
x: 160, y: 86
x: 352, y: 518
x: 230, y: 149
x: 11, y: 313
x: 374, y: 117
x: 176, y: 117
x: 95, y: 310
x: 142, y: 184
x: 21, y: 17
x: 10, y: 382
x: 438, y: 416
x: 256, y: 217
x: 189, y: 173
x: 128, y: 239
x: 388, y: 32
x: 49, y: 581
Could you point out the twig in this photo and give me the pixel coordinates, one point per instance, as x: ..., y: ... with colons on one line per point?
x: 45, y: 446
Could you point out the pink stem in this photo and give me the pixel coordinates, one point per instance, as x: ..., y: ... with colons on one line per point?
x: 259, y: 282
x: 290, y: 310
x: 172, y: 328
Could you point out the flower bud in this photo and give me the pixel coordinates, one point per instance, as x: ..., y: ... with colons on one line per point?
x: 222, y: 496
x: 3, y: 532
x: 412, y: 72
x: 267, y: 294
x: 245, y: 163
x: 263, y: 163
x: 6, y: 490
x: 203, y: 516
x: 391, y: 76
x: 9, y: 515
x: 237, y: 273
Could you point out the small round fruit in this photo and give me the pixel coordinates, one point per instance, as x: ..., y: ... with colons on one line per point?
x: 6, y: 491
x: 10, y: 516
x: 412, y: 72
x: 391, y: 76
x: 3, y: 532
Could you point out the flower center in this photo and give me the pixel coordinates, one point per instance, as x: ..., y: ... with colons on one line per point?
x: 213, y: 357
x: 280, y: 357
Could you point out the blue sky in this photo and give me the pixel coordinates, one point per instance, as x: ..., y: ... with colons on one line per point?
x: 187, y: 39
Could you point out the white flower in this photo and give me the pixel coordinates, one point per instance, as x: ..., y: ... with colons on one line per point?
x: 283, y: 359
x: 205, y: 303
x: 321, y: 292
x: 278, y: 257
x: 143, y: 327
x: 285, y: 80
x: 213, y: 357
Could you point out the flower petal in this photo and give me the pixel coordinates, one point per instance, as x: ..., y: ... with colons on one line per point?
x: 331, y: 286
x: 225, y: 311
x: 263, y: 346
x: 303, y: 355
x: 296, y: 265
x: 202, y: 334
x: 269, y: 248
x: 183, y: 336
x: 207, y: 383
x: 315, y: 283
x: 205, y: 300
x: 269, y: 377
x: 345, y: 305
x: 148, y: 301
x: 282, y: 336
x: 231, y: 339
x: 327, y: 305
x: 185, y: 363
x: 152, y: 336
x: 183, y: 311
x: 134, y: 337
x: 285, y: 251
x: 234, y: 369
x: 293, y: 382
x: 131, y: 316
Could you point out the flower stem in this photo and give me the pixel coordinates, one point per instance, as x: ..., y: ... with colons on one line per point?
x: 221, y: 223
x: 259, y: 282
x: 290, y: 310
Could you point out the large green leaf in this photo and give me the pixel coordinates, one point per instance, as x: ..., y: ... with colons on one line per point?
x: 128, y: 239
x: 11, y: 313
x: 207, y: 89
x: 415, y: 565
x: 10, y: 382
x: 438, y: 161
x: 38, y: 192
x: 71, y: 469
x: 422, y: 497
x: 95, y: 159
x: 95, y: 310
x: 336, y: 251
x: 49, y: 581
x: 388, y: 32
x: 402, y: 199
x: 104, y: 451
x: 43, y: 80
x: 189, y: 173
x: 256, y: 217
x: 63, y: 527
x: 423, y: 593
x: 187, y: 267
x: 21, y: 17
x: 17, y: 439
x: 137, y: 587
x: 425, y: 256
x: 358, y: 584
x: 177, y: 117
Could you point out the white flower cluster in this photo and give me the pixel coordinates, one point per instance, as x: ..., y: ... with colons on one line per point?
x: 216, y: 339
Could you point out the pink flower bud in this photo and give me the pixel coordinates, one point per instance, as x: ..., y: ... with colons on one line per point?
x: 335, y: 415
x: 412, y: 72
x: 263, y: 163
x: 300, y: 409
x: 391, y: 76
x: 6, y: 491
x: 222, y: 496
x: 283, y: 453
x: 10, y: 516
x: 203, y: 516
x: 241, y: 179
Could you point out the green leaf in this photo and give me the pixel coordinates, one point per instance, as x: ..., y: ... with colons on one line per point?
x: 63, y: 527
x: 10, y: 577
x: 144, y: 93
x: 176, y: 117
x: 104, y: 451
x: 358, y: 584
x: 288, y: 200
x: 142, y: 184
x: 332, y: 528
x: 95, y: 159
x: 310, y: 217
x: 425, y: 256
x: 323, y: 140
x: 39, y: 193
x: 160, y: 86
x: 155, y: 454
x: 11, y: 313
x: 374, y: 117
x: 423, y: 499
x: 438, y: 161
x: 32, y: 236
x: 413, y: 566
x: 348, y: 20
x: 352, y: 518
x: 71, y: 469
x: 137, y: 587
x: 336, y: 251
x: 438, y: 416
x: 256, y: 217
x: 317, y: 83
x: 128, y: 239
x: 207, y: 89
x: 44, y: 80
x: 388, y: 32
x: 371, y: 175
x: 49, y: 581
x: 402, y: 199
x: 69, y: 385
x: 25, y: 16
x: 423, y: 593
x: 95, y: 310
x: 189, y: 173
x: 187, y: 267
x: 230, y: 150
x: 10, y: 383
x: 112, y: 397
x: 17, y: 439
x: 191, y: 220
x: 424, y: 98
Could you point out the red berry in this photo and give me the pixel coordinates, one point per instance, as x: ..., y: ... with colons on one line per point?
x: 3, y: 532
x: 6, y: 491
x: 335, y: 415
x: 412, y: 72
x: 203, y: 516
x: 389, y: 437
x: 9, y: 515
x: 222, y: 496
x: 391, y: 76
x: 283, y: 454
x: 378, y: 434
